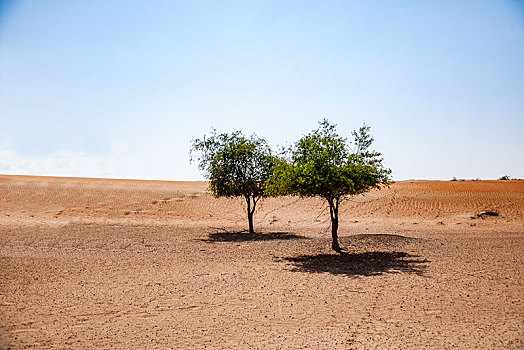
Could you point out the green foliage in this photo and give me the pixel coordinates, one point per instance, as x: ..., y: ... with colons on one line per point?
x: 505, y: 177
x: 454, y: 179
x: 236, y: 166
x: 324, y: 164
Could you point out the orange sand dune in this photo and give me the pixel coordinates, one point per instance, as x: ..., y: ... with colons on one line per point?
x: 99, y: 263
x: 27, y: 197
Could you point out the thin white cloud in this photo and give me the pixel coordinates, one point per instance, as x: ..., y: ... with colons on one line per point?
x: 117, y: 162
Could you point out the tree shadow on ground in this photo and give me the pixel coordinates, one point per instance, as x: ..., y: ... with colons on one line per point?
x: 358, y: 264
x: 247, y: 237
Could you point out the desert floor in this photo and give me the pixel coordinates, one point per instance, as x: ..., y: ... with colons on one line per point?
x: 95, y: 263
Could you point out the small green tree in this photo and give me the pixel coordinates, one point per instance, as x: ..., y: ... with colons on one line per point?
x: 323, y: 164
x: 236, y: 166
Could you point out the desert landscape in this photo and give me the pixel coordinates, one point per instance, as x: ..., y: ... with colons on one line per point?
x: 100, y: 263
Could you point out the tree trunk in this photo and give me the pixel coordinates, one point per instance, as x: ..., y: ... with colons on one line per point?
x: 250, y: 219
x: 333, y: 211
x: 250, y: 212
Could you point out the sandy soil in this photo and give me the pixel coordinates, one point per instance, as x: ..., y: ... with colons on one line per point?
x: 94, y: 263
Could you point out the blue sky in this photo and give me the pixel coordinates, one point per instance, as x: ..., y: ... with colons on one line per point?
x: 119, y: 89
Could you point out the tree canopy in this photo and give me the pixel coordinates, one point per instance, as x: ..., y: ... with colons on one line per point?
x: 236, y: 166
x: 324, y: 164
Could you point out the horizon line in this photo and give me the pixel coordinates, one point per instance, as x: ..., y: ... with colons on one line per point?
x: 165, y: 180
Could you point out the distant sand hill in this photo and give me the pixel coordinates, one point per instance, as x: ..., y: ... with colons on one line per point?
x: 28, y: 198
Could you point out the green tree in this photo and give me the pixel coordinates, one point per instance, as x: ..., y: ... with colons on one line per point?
x: 236, y: 166
x: 323, y: 164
